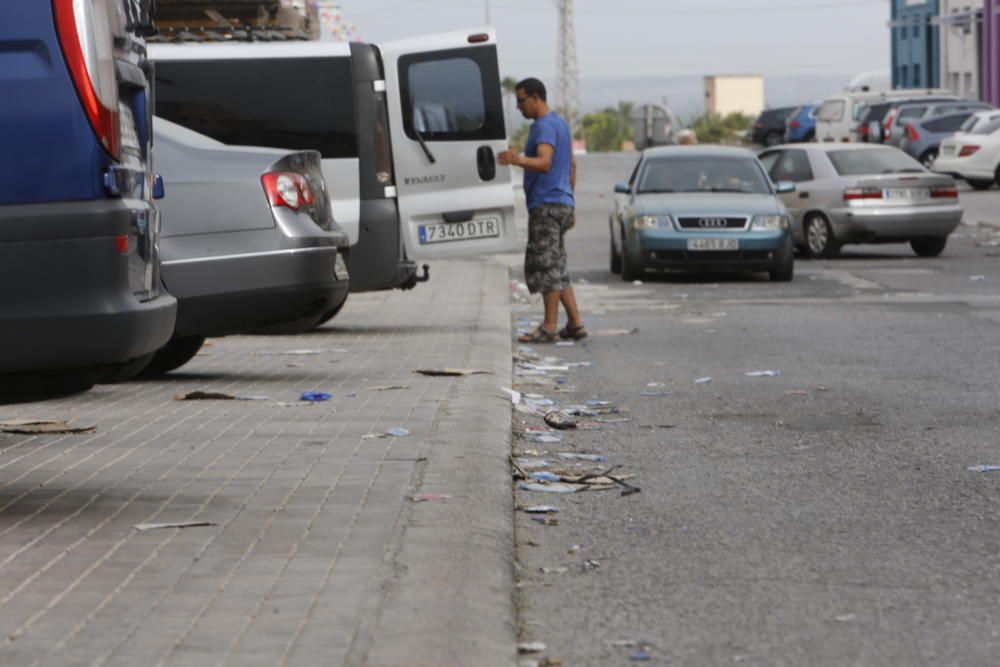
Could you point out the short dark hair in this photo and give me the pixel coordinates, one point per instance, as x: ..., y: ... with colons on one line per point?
x: 532, y: 87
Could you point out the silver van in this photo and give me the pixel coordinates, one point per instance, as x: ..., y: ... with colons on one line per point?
x: 408, y: 132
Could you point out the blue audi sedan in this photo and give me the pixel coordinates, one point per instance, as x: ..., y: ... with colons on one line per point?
x: 701, y: 208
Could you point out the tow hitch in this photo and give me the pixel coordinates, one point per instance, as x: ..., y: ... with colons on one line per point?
x: 412, y: 282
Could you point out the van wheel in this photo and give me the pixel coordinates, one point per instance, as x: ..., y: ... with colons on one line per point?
x: 616, y: 259
x: 929, y: 247
x: 979, y: 183
x: 173, y: 355
x: 820, y: 242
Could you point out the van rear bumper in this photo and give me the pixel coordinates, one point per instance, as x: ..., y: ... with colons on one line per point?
x: 66, y: 299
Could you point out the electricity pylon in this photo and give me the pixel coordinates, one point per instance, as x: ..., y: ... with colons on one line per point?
x: 568, y: 77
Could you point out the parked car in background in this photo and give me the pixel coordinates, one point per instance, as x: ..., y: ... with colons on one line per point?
x: 408, y: 132
x: 870, y: 121
x: 248, y: 241
x: 800, y: 126
x: 860, y: 193
x: 838, y: 116
x: 79, y: 272
x: 895, y: 121
x: 769, y: 127
x: 973, y: 154
x: 922, y: 138
x: 701, y: 207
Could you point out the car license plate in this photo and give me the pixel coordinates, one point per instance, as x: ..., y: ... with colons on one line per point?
x: 129, y: 135
x: 460, y: 231
x: 908, y: 194
x: 713, y: 244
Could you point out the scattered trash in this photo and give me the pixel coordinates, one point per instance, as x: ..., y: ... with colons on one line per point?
x: 640, y: 656
x: 541, y: 509
x: 515, y: 396
x: 591, y: 565
x: 592, y: 458
x: 427, y: 497
x: 296, y: 404
x: 617, y: 332
x: 204, y: 396
x: 704, y: 380
x: 581, y: 364
x: 797, y: 392
x: 532, y: 463
x: 977, y: 279
x: 545, y: 521
x: 390, y: 387
x: 636, y: 282
x: 559, y: 420
x: 179, y: 524
x: 295, y: 353
x: 654, y: 394
x: 451, y: 372
x: 544, y: 476
x: 37, y: 426
x: 623, y: 643
x: 565, y: 343
x: 555, y: 570
x: 656, y: 426
x: 984, y: 468
x: 315, y: 396
x: 531, y: 647
x: 543, y: 438
x: 612, y: 420
x: 556, y: 487
x: 655, y: 385
x: 763, y: 374
x: 397, y: 432
x: 845, y: 618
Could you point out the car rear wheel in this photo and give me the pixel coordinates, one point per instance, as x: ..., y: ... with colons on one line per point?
x: 616, y: 259
x: 979, y: 183
x: 631, y: 270
x: 929, y: 157
x: 820, y: 242
x: 173, y: 355
x: 929, y: 247
x: 773, y: 138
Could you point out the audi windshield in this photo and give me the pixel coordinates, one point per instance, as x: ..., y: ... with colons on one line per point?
x: 703, y: 174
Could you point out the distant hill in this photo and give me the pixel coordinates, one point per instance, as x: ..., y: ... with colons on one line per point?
x: 686, y: 93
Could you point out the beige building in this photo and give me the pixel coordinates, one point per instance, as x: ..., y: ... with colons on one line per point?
x: 961, y: 33
x: 734, y: 94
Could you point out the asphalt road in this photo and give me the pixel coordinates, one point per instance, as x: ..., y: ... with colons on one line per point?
x: 827, y: 516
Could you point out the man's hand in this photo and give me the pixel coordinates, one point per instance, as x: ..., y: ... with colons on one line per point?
x: 507, y: 157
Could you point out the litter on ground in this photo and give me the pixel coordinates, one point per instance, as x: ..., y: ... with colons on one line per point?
x: 315, y: 396
x: 427, y: 497
x: 541, y: 509
x: 451, y: 372
x: 763, y: 374
x: 985, y: 468
x: 704, y: 380
x: 37, y: 426
x: 559, y: 420
x: 591, y: 458
x: 555, y: 487
x: 179, y: 524
x: 531, y: 647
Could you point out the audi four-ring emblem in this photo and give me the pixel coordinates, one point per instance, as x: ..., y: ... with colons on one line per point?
x: 712, y: 223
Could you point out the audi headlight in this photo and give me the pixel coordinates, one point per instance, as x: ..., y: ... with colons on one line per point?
x: 770, y: 222
x: 652, y: 221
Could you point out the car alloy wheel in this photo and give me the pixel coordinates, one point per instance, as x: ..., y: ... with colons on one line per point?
x: 819, y: 238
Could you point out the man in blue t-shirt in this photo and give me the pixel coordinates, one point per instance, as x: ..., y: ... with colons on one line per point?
x: 549, y: 181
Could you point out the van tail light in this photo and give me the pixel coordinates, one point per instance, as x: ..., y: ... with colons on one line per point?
x: 944, y: 192
x: 87, y: 30
x: 968, y: 150
x: 861, y: 194
x: 288, y: 189
x: 912, y: 134
x: 383, y: 150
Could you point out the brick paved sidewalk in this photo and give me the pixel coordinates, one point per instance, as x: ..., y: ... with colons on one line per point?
x: 318, y: 555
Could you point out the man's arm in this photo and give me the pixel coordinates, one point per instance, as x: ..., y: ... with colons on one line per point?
x: 572, y: 172
x: 538, y: 165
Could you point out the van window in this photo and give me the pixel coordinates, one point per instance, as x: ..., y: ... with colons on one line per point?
x: 292, y: 103
x: 831, y: 111
x: 452, y: 95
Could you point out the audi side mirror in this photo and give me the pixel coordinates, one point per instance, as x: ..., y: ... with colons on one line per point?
x: 784, y: 187
x: 622, y: 188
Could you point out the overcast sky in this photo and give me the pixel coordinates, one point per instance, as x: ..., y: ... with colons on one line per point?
x: 656, y: 37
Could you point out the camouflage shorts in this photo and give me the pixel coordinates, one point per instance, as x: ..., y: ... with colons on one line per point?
x: 545, y: 257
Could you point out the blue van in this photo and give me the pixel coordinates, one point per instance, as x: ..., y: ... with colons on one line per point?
x: 79, y: 273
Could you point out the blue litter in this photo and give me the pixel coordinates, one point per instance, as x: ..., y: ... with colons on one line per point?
x: 654, y: 394
x: 543, y: 476
x: 315, y: 396
x: 398, y: 432
x: 985, y: 468
x: 640, y: 656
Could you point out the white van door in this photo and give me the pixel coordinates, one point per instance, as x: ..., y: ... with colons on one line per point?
x: 447, y: 126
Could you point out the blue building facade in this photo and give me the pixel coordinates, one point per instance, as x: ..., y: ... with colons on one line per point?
x: 916, y: 44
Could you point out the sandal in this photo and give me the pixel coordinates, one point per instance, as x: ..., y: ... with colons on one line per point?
x: 573, y: 333
x: 539, y: 335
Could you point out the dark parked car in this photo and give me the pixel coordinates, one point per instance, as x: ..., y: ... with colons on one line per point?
x: 79, y: 272
x: 769, y: 128
x: 248, y: 241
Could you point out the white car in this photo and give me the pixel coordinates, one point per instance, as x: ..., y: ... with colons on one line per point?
x: 973, y: 153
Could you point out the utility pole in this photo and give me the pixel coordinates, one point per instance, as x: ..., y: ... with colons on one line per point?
x: 568, y: 78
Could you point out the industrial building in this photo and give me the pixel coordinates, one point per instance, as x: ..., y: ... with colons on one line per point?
x: 916, y: 44
x: 726, y: 94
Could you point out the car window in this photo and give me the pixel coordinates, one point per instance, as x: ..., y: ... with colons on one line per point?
x: 769, y: 160
x: 293, y: 103
x: 446, y: 96
x: 703, y: 174
x: 911, y: 112
x: 947, y: 124
x: 792, y: 166
x: 874, y: 161
x: 988, y: 127
x: 831, y: 111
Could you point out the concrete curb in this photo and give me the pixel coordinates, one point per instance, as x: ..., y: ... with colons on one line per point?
x: 449, y: 594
